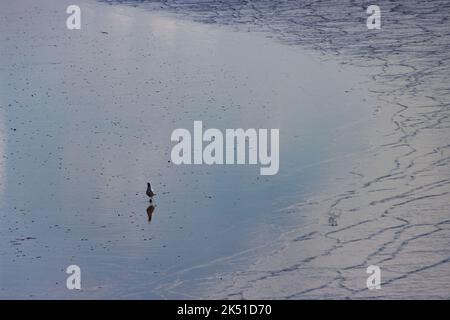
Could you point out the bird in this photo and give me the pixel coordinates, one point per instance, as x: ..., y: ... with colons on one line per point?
x: 149, y: 191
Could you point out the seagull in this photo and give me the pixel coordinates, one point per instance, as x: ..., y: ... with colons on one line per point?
x: 149, y: 191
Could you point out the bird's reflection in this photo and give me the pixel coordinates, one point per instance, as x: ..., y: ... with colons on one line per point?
x: 150, y: 210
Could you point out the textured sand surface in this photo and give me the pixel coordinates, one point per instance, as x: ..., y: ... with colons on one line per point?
x: 85, y: 121
x: 75, y: 150
x: 393, y: 210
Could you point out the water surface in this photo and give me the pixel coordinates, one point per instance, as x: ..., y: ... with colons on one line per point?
x: 85, y: 121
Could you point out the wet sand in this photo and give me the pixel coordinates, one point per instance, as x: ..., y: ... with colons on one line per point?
x: 86, y: 121
x: 86, y: 118
x: 391, y: 209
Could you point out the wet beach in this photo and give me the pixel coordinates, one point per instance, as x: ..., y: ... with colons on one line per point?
x: 86, y: 118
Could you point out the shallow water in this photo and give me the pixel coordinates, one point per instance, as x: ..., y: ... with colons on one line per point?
x: 391, y: 208
x: 85, y: 121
